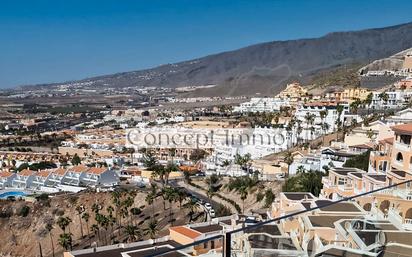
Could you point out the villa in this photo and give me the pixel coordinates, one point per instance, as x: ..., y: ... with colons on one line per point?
x: 23, y: 179
x: 6, y: 179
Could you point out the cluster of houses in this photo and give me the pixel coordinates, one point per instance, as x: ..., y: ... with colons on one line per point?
x: 72, y: 179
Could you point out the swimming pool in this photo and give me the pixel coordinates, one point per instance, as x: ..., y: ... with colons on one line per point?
x: 12, y: 193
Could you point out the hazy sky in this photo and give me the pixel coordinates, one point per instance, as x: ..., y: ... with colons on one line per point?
x: 55, y: 41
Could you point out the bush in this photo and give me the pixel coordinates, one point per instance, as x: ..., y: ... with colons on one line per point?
x: 24, y: 211
x: 360, y: 161
x: 222, y: 210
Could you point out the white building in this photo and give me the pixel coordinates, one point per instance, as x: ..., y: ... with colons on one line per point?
x: 315, y: 109
x: 260, y: 104
x: 74, y: 175
x: 102, y: 176
x: 6, y: 179
x: 396, y: 99
x: 23, y: 179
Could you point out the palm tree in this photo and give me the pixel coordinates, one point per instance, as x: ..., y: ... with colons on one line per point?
x: 180, y: 197
x: 151, y: 229
x: 96, y: 208
x: 96, y: 231
x: 135, y: 211
x: 192, y: 206
x: 242, y: 185
x: 384, y: 97
x: 65, y: 240
x: 300, y: 169
x: 63, y: 223
x: 288, y: 159
x: 132, y: 232
x: 86, y: 217
x: 49, y: 228
x: 212, y: 185
x: 80, y: 210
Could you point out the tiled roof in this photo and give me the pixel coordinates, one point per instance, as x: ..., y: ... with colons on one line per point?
x: 5, y: 174
x: 79, y: 168
x: 59, y: 171
x: 96, y: 170
x: 26, y: 172
x: 187, y: 232
x: 403, y: 128
x: 43, y: 173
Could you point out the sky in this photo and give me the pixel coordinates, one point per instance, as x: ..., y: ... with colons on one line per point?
x: 47, y: 41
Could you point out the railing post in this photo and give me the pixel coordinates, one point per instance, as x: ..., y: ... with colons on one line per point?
x: 228, y: 245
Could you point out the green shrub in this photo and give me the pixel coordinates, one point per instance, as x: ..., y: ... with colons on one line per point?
x: 24, y: 211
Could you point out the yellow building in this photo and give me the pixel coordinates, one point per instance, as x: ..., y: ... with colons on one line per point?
x: 293, y: 91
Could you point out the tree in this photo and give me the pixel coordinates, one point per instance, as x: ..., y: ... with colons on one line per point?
x: 65, y: 240
x: 135, y: 211
x: 360, y: 161
x: 80, y: 210
x: 242, y: 186
x: 288, y: 159
x: 149, y: 160
x: 304, y: 182
x: 212, y: 185
x: 151, y: 229
x: 49, y: 228
x: 63, y: 223
x: 86, y: 217
x: 197, y: 155
x: 384, y: 97
x: 132, y: 232
x: 76, y: 160
x: 300, y: 169
x: 192, y: 206
x: 269, y: 197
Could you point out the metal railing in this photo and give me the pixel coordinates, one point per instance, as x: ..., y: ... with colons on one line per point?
x: 227, y: 237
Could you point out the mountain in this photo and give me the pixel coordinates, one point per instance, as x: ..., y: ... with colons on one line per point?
x: 265, y: 68
x: 392, y: 63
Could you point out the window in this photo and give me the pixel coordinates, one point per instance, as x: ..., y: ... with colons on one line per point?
x: 399, y: 157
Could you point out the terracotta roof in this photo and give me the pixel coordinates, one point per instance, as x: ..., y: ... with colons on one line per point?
x: 5, y: 174
x: 187, y: 232
x: 43, y: 173
x: 403, y: 128
x: 59, y: 171
x: 96, y: 170
x: 26, y: 172
x: 79, y: 168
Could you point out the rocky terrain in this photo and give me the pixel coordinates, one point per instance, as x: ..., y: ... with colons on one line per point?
x: 24, y: 233
x: 392, y: 63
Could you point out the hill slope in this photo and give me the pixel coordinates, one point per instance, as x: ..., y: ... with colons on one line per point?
x: 265, y: 68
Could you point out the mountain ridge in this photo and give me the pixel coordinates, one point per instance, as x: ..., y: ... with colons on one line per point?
x: 264, y: 67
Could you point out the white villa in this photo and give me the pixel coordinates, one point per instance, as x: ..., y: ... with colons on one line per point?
x: 6, y: 179
x: 23, y: 179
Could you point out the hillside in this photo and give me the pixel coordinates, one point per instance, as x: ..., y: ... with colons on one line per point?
x: 265, y: 68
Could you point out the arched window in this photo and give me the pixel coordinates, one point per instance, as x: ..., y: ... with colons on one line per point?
x: 399, y: 157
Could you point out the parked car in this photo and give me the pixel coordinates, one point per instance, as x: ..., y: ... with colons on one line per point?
x: 208, y: 206
x: 212, y: 213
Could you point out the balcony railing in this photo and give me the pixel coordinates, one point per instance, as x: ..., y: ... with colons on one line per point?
x: 231, y: 238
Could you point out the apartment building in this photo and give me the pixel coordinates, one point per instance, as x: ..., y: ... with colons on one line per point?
x: 315, y: 109
x: 262, y: 104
